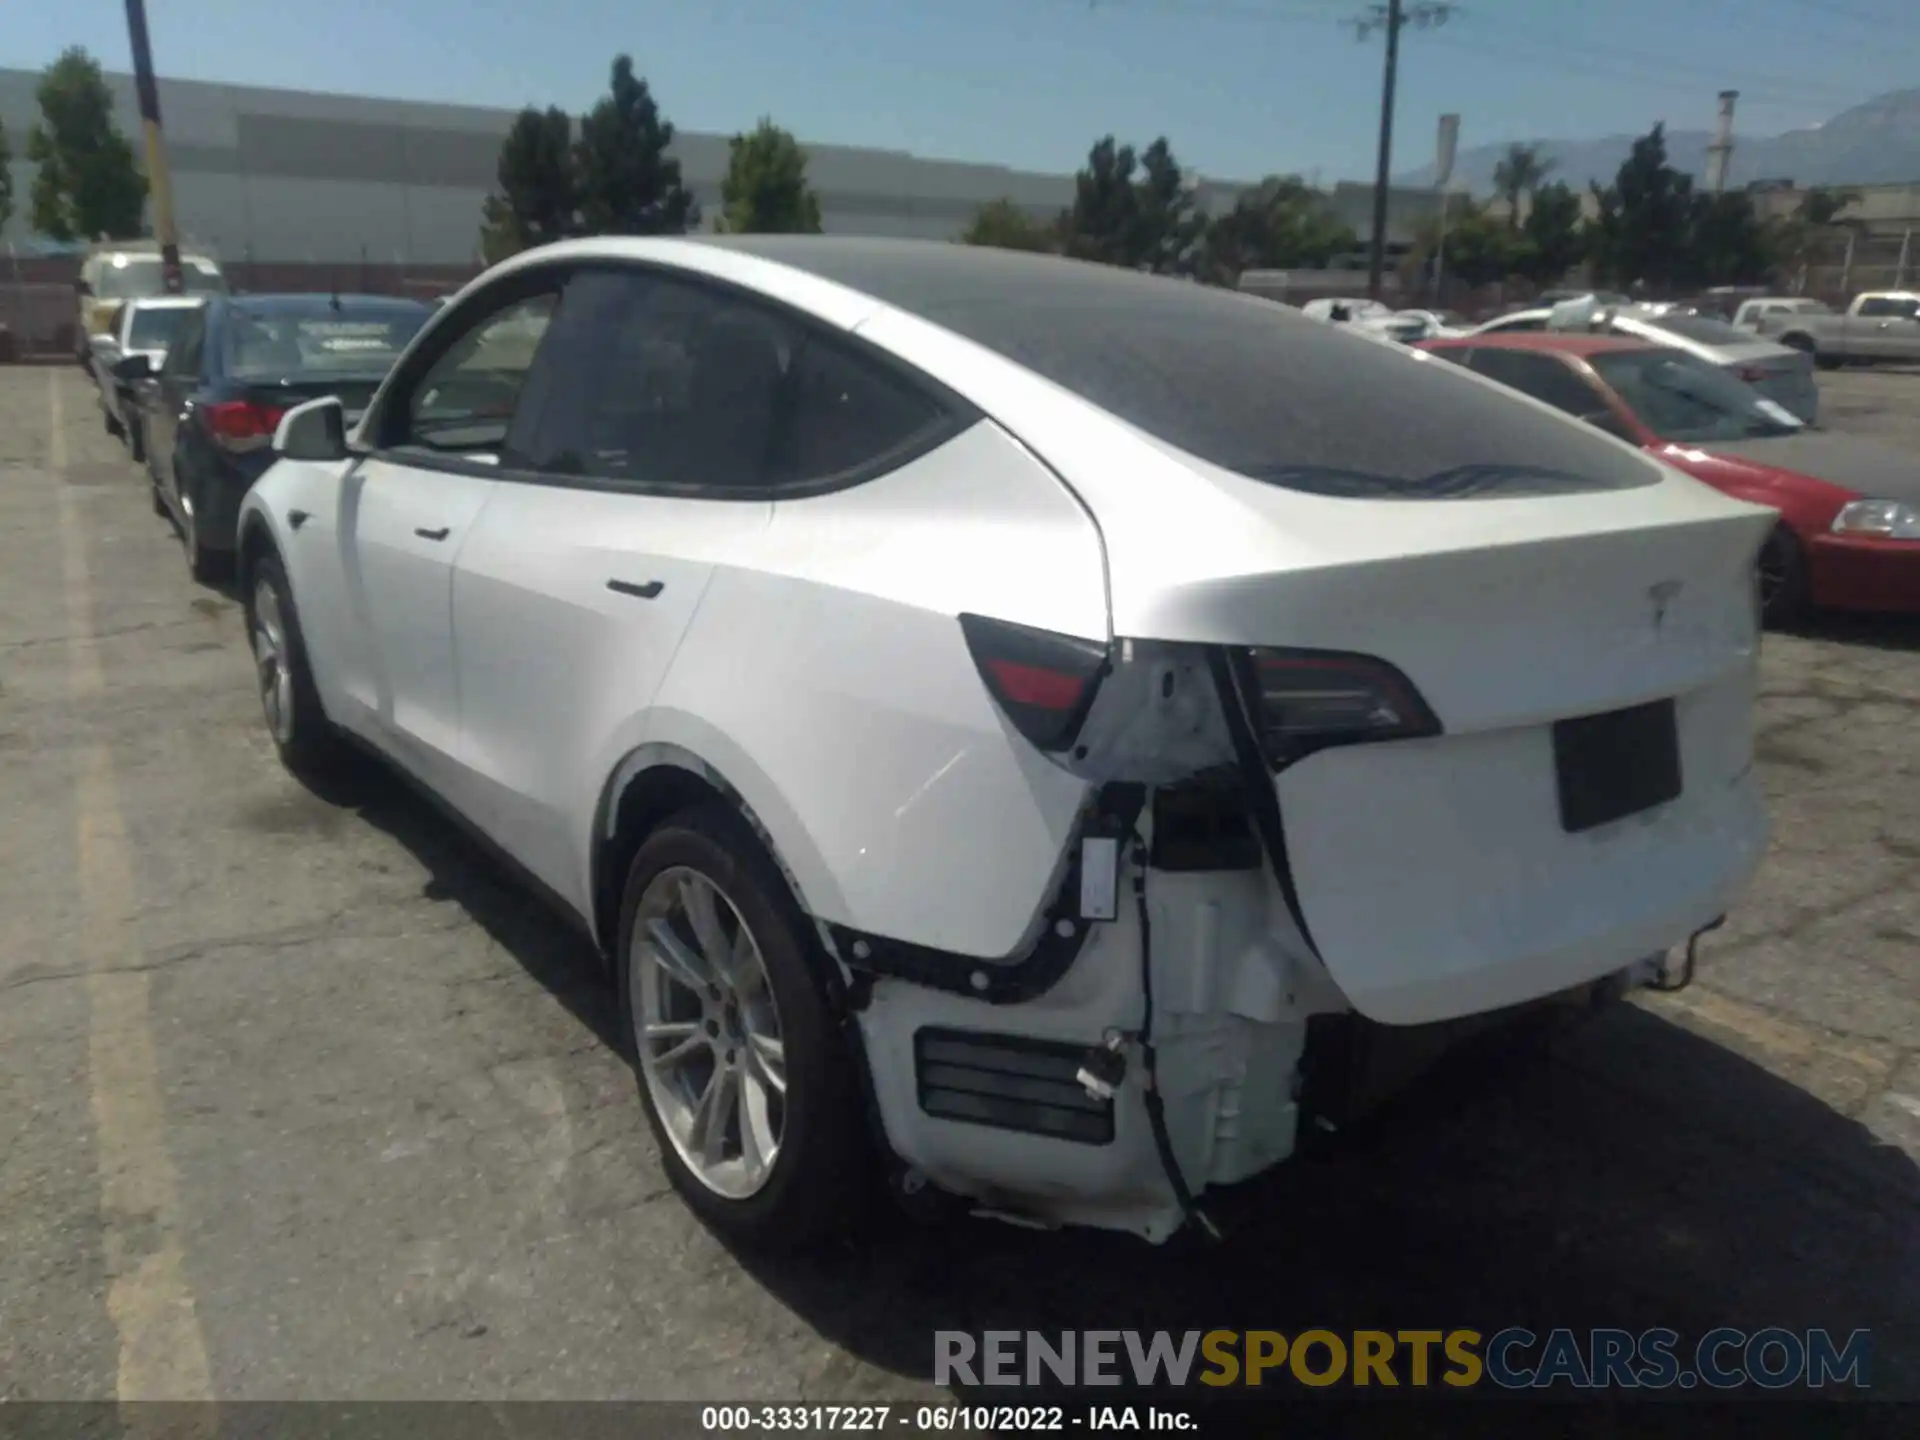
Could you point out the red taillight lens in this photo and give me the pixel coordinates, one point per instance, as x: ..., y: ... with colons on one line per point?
x: 1751, y: 375
x: 242, y: 424
x: 1043, y: 682
x: 1306, y: 700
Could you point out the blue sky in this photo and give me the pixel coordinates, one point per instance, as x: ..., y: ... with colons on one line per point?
x: 1241, y: 87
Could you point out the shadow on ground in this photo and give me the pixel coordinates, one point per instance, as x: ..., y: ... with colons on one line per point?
x: 1635, y: 1176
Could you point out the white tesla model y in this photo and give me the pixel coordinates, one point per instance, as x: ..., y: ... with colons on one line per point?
x: 1027, y: 722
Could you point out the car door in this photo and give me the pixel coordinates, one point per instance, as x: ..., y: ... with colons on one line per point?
x: 655, y: 405
x: 164, y: 400
x: 410, y: 507
x: 1889, y: 328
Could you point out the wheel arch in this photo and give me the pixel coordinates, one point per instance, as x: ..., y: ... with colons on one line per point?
x: 256, y: 543
x: 653, y: 781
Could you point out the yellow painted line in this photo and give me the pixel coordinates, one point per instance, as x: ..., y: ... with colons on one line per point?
x: 163, y: 1355
x: 1769, y: 1032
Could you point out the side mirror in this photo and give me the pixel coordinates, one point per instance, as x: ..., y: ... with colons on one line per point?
x: 136, y: 366
x: 316, y: 430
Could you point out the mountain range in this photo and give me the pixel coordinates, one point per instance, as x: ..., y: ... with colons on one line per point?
x: 1877, y: 143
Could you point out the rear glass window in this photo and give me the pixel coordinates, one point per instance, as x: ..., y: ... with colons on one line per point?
x: 142, y: 275
x: 1702, y: 329
x: 1248, y: 384
x: 154, y: 329
x: 279, y: 344
x: 1681, y: 398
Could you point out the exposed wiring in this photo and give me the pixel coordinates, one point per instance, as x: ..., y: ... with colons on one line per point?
x: 1150, y: 1063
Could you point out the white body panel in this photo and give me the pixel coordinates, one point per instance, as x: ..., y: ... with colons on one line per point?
x: 806, y: 651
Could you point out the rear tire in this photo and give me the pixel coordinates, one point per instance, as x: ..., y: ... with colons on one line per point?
x: 820, y: 1175
x: 1782, y: 568
x: 136, y: 440
x: 308, y: 743
x: 206, y: 565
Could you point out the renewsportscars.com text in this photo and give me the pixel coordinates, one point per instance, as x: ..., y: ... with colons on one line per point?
x: 1514, y: 1359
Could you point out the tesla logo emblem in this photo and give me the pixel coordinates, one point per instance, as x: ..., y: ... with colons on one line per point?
x: 1662, y: 596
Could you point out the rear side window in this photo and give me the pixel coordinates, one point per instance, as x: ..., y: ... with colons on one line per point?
x: 1541, y: 376
x: 678, y: 386
x: 1886, y: 308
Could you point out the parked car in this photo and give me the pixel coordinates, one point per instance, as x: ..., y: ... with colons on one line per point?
x: 1782, y: 374
x: 983, y: 704
x: 116, y: 271
x: 146, y: 327
x: 1881, y: 326
x: 234, y: 368
x: 1433, y: 324
x: 1369, y: 317
x: 1848, y: 536
x: 1751, y: 312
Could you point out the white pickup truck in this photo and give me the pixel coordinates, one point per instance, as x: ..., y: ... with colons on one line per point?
x: 1880, y: 326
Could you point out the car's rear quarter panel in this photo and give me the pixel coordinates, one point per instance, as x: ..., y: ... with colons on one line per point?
x: 825, y: 677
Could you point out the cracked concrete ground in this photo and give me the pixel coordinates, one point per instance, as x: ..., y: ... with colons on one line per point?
x: 397, y: 1155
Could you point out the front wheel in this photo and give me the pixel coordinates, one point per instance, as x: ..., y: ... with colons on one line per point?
x: 1782, y: 577
x: 301, y: 732
x: 748, y: 1085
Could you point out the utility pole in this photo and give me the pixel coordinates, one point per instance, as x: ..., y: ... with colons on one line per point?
x: 157, y: 180
x: 1391, y: 17
x: 1720, y: 152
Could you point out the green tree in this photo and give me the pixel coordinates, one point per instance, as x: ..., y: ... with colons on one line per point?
x: 87, y: 184
x: 1520, y: 172
x: 6, y: 179
x: 1103, y: 222
x: 1822, y: 205
x: 1551, y: 239
x: 1005, y: 226
x: 1168, y: 225
x: 1280, y: 224
x: 629, y: 185
x: 766, y: 190
x: 1727, y: 244
x: 1643, y: 229
x: 538, y: 198
x: 1480, y: 249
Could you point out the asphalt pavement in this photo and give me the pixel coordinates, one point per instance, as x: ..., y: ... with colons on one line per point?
x: 300, y: 1098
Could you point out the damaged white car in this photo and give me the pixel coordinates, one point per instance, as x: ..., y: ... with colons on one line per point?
x: 1020, y: 721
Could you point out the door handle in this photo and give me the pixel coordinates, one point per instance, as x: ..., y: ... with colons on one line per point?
x: 439, y: 534
x: 297, y: 518
x: 644, y: 592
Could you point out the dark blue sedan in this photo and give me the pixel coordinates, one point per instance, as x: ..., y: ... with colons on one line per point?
x: 208, y: 416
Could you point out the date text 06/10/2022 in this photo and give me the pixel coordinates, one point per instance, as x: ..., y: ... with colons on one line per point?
x: 936, y: 1419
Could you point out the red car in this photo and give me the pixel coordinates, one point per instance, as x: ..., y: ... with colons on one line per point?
x: 1849, y: 532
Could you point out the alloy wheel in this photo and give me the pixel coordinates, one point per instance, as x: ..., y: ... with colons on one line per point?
x: 271, y: 662
x: 708, y: 1031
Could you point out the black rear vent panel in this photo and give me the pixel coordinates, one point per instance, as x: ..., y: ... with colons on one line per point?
x: 1008, y: 1082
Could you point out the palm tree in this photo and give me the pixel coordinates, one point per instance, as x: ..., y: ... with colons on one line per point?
x: 1520, y: 173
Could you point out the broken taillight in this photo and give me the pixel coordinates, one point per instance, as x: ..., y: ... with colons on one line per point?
x: 1307, y: 700
x: 1042, y: 681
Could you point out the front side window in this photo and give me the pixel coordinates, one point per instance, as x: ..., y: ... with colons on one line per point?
x: 465, y: 401
x: 681, y: 386
x: 1680, y: 398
